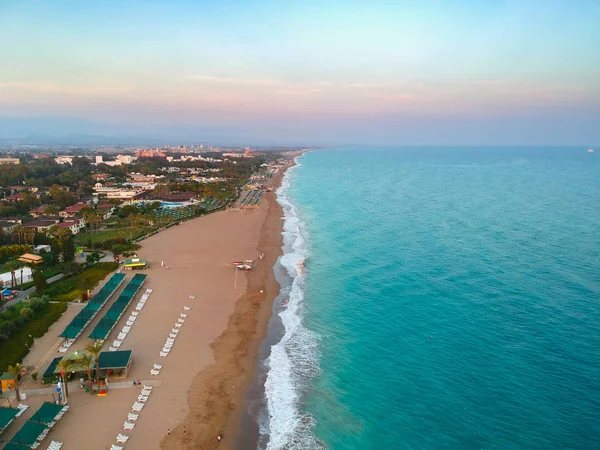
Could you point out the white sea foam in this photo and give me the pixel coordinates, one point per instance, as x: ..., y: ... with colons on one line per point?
x: 294, y: 359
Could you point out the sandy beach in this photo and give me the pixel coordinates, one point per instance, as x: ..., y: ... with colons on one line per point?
x: 198, y: 394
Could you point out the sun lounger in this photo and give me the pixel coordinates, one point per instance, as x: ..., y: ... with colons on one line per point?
x: 142, y: 398
x: 134, y: 313
x: 116, y: 447
x: 137, y: 407
x: 127, y: 426
x: 181, y: 320
x: 122, y: 438
x: 172, y: 335
x: 146, y: 393
x: 112, y: 349
x: 149, y: 291
x: 126, y: 329
x: 147, y: 387
x: 154, y: 372
x: 122, y: 336
x: 22, y: 408
x: 178, y: 325
x: 129, y: 323
x: 55, y: 445
x: 163, y: 354
x: 157, y: 367
x: 132, y: 417
x: 186, y: 308
x: 175, y: 330
x: 117, y: 343
x: 183, y: 315
x: 62, y: 350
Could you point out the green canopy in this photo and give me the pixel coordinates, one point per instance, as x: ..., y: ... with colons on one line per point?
x: 50, y: 370
x: 47, y: 413
x: 107, y: 323
x: 6, y: 417
x: 83, y: 318
x: 11, y: 446
x: 28, y: 433
x: 114, y: 360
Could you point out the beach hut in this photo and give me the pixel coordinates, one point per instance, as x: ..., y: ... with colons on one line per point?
x: 7, y: 382
x: 115, y: 363
x: 136, y: 264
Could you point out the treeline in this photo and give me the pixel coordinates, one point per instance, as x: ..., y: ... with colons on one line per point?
x: 16, y: 316
x: 8, y: 251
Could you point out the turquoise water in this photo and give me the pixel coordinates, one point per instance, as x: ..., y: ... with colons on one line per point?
x: 450, y: 299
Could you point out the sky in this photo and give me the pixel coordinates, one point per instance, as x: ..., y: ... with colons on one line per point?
x: 401, y: 72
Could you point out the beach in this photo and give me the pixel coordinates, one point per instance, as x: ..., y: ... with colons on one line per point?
x: 198, y: 394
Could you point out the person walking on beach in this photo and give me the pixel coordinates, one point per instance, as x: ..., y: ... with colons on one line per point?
x: 162, y: 263
x: 184, y: 429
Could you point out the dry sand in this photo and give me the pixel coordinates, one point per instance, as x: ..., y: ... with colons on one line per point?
x: 202, y: 383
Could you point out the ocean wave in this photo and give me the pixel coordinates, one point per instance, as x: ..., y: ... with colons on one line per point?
x: 293, y: 361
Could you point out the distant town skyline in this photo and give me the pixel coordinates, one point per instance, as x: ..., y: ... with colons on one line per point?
x: 385, y: 72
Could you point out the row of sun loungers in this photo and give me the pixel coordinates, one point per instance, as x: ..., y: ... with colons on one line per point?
x: 170, y: 342
x: 55, y: 445
x: 65, y: 347
x: 132, y: 416
x: 22, y: 408
x: 130, y: 321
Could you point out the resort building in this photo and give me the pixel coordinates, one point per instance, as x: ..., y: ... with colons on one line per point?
x: 42, y: 225
x: 73, y: 210
x: 75, y: 225
x: 5, y: 161
x: 118, y: 193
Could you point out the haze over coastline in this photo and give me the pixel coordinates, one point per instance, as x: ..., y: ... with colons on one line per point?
x: 385, y: 72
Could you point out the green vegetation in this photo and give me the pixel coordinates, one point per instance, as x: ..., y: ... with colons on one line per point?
x: 99, y: 237
x: 13, y: 350
x: 67, y: 290
x: 8, y: 251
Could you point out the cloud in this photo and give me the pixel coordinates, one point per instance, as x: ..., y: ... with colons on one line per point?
x: 236, y: 81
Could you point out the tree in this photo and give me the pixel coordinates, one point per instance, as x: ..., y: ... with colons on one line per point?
x: 30, y: 233
x: 72, y: 268
x: 40, y: 281
x: 65, y: 365
x: 94, y: 349
x: 92, y: 258
x: 87, y: 361
x: 26, y: 311
x: 13, y: 266
x: 20, y: 231
x: 52, y: 210
x: 16, y: 371
x: 93, y: 218
x: 68, y: 250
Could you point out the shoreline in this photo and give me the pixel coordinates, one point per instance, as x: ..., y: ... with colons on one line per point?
x: 216, y: 398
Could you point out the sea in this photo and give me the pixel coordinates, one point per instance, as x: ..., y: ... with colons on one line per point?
x: 435, y: 298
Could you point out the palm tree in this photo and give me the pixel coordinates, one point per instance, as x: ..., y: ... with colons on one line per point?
x: 65, y: 365
x: 13, y: 266
x: 16, y: 371
x: 19, y: 231
x: 59, y: 233
x: 87, y: 361
x: 30, y: 233
x: 94, y: 349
